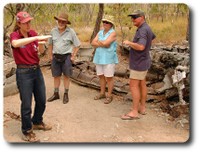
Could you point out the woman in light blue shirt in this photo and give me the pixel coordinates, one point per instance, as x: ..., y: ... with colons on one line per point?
x: 105, y: 58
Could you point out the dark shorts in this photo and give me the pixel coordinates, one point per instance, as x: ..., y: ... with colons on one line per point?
x: 59, y: 68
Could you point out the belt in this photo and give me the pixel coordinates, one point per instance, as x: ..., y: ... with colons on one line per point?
x: 62, y: 54
x: 21, y: 66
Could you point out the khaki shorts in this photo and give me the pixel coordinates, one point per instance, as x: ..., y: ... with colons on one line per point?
x: 138, y: 75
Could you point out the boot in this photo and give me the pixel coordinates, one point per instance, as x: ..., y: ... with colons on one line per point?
x: 54, y: 97
x: 65, y: 98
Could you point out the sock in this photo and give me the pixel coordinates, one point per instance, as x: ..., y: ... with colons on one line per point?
x: 56, y: 89
x: 66, y: 90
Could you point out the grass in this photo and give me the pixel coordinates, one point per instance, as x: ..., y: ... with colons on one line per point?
x: 168, y: 32
x: 172, y: 29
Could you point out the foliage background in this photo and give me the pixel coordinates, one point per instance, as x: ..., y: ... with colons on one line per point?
x: 168, y: 21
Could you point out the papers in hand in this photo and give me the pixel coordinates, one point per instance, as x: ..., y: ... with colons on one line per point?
x: 44, y: 37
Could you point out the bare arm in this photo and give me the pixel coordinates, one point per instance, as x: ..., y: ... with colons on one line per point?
x: 50, y: 51
x: 41, y: 46
x: 95, y: 42
x: 106, y: 43
x: 75, y: 50
x: 133, y: 45
x: 24, y: 41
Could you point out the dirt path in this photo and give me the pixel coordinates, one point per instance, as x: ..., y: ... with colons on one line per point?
x: 86, y: 120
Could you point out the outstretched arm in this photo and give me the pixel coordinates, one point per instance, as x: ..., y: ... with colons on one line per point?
x: 24, y: 41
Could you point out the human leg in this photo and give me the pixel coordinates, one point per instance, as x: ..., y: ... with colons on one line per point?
x: 25, y: 84
x: 110, y: 83
x: 66, y: 81
x: 39, y: 92
x: 135, y: 91
x: 140, y: 75
x: 102, y: 82
x: 56, y: 73
x: 66, y: 89
x: 143, y: 90
x: 67, y: 71
x: 109, y: 70
x: 55, y: 95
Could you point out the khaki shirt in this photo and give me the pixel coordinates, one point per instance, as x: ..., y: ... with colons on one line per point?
x: 63, y: 43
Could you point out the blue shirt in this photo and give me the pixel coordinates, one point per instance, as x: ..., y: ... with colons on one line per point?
x: 63, y: 43
x: 140, y: 60
x: 106, y: 55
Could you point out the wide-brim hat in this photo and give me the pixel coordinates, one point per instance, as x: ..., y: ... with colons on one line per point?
x: 137, y: 12
x: 62, y: 17
x: 110, y: 19
x: 23, y: 17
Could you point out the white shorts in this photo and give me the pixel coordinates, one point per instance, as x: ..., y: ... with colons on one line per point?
x: 107, y: 70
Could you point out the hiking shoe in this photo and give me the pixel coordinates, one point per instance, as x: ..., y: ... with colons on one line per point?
x: 30, y: 137
x: 65, y: 98
x: 42, y: 126
x: 54, y: 97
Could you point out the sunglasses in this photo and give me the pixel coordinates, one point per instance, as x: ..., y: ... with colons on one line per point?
x: 106, y: 22
x: 62, y: 22
x: 135, y: 16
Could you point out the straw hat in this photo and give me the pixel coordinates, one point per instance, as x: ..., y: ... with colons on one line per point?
x: 63, y: 17
x: 110, y: 19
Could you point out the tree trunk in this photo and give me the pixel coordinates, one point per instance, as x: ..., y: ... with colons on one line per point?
x: 7, y: 45
x: 188, y: 28
x: 98, y: 22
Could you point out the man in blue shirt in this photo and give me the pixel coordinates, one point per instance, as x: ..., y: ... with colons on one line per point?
x: 139, y: 63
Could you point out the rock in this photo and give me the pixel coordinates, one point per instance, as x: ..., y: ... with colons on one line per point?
x: 165, y: 107
x: 10, y: 89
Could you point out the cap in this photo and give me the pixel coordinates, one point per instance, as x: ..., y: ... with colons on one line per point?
x: 137, y: 12
x: 63, y: 17
x: 23, y: 17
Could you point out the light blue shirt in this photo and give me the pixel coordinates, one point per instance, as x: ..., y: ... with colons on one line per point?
x: 106, y: 55
x: 63, y: 43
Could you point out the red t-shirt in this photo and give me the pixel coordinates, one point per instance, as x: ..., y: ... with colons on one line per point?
x: 27, y: 54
